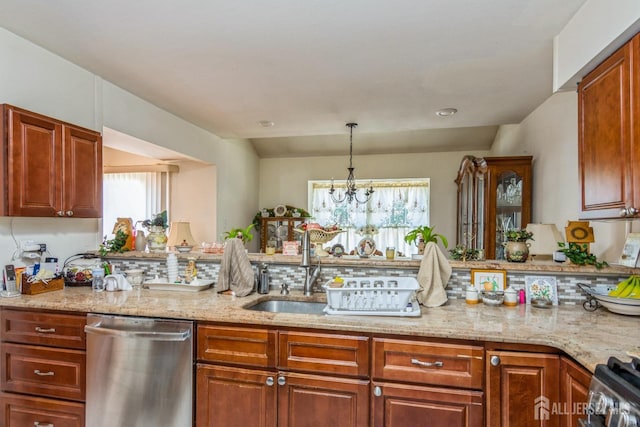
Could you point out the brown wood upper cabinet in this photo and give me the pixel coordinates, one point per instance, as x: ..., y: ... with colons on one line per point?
x: 608, y: 136
x: 49, y: 168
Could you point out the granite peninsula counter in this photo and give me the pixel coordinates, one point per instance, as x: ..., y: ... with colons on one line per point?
x: 588, y: 337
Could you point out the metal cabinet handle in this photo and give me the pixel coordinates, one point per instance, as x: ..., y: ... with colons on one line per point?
x: 60, y: 213
x: 437, y: 363
x: 45, y: 330
x: 269, y: 381
x: 37, y: 424
x: 377, y: 391
x: 69, y: 213
x: 632, y: 211
x: 495, y: 360
x: 282, y: 380
x: 43, y: 374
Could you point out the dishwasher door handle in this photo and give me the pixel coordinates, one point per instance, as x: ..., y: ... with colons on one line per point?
x: 180, y: 335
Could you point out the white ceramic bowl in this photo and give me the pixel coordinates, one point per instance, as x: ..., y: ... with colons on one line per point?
x: 493, y: 297
x: 628, y: 306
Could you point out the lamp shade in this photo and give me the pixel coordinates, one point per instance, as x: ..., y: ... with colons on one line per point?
x: 545, y: 239
x: 180, y: 232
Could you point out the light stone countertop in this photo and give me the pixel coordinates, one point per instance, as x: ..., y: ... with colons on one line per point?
x: 589, y: 337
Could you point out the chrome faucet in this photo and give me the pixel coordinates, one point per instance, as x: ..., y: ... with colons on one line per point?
x: 310, y: 273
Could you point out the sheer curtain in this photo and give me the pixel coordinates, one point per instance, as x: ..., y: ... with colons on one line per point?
x: 395, y: 207
x: 130, y: 195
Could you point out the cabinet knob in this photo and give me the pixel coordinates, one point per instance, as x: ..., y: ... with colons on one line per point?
x: 495, y: 361
x: 269, y: 381
x: 632, y: 211
x: 282, y: 380
x: 69, y: 213
x: 60, y: 213
x: 377, y: 391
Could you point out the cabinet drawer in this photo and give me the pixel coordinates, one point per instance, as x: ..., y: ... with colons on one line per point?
x: 43, y: 371
x: 30, y: 327
x: 20, y: 411
x: 453, y: 365
x: 324, y: 353
x: 238, y: 346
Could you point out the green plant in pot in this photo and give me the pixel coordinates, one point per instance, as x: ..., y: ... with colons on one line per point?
x: 241, y: 233
x: 157, y: 226
x: 422, y: 235
x: 579, y: 254
x: 516, y: 248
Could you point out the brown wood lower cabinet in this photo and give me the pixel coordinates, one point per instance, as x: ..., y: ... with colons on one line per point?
x: 521, y: 388
x: 20, y: 411
x: 574, y: 391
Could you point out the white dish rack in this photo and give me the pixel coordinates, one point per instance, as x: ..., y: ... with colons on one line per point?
x: 375, y: 296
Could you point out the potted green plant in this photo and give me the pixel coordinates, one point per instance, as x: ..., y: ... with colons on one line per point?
x: 241, y: 233
x: 422, y: 235
x: 462, y: 253
x: 580, y: 255
x: 516, y: 247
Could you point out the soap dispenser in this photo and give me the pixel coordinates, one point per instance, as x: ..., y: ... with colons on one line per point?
x: 263, y: 280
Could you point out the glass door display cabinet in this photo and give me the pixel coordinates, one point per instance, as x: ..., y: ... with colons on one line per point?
x: 275, y: 230
x: 494, y: 195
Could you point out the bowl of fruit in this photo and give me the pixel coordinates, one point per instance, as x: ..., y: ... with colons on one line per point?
x: 77, y: 276
x: 623, y: 299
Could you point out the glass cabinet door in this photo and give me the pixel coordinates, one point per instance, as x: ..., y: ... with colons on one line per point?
x: 508, y: 207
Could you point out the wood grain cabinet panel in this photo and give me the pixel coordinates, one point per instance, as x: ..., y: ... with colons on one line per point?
x: 21, y: 411
x: 521, y: 389
x: 400, y: 405
x: 44, y: 371
x: 49, y: 168
x: 238, y: 346
x: 609, y: 135
x: 452, y: 365
x: 574, y: 391
x: 324, y: 353
x: 313, y: 400
x: 49, y: 329
x: 231, y: 396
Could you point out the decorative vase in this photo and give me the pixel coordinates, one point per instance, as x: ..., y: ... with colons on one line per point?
x: 157, y: 239
x: 141, y: 241
x: 516, y: 251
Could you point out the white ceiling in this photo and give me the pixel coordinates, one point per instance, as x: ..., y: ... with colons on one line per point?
x: 311, y: 66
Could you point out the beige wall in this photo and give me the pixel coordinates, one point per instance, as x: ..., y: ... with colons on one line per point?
x: 284, y: 180
x: 550, y: 134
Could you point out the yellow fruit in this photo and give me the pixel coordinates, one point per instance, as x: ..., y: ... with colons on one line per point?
x: 628, y: 289
x: 622, y: 286
x: 338, y: 279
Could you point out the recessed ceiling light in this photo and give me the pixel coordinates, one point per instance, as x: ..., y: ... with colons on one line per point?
x: 266, y: 123
x: 446, y: 112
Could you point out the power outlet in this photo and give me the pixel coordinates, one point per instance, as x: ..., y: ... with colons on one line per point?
x: 43, y: 247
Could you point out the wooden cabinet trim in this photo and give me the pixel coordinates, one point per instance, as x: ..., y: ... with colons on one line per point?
x: 406, y: 361
x: 43, y: 328
x: 45, y: 371
x: 329, y: 353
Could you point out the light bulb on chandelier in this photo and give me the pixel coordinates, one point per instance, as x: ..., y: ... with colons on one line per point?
x: 351, y: 191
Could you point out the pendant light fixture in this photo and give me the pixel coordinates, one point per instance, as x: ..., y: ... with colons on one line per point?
x: 350, y: 190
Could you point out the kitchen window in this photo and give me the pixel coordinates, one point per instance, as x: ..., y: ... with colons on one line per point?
x: 135, y: 195
x: 395, y: 207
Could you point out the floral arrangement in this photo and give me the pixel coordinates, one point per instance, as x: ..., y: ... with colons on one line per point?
x: 518, y: 235
x: 462, y: 253
x: 368, y: 229
x: 157, y: 220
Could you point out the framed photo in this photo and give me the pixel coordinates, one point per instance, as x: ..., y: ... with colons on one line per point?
x: 541, y: 287
x: 290, y: 248
x: 629, y: 255
x: 489, y: 280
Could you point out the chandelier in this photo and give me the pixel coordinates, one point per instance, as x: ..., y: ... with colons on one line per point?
x: 351, y: 192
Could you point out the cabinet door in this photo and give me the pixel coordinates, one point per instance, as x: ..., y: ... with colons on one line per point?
x: 19, y: 411
x: 400, y: 405
x: 521, y: 389
x: 34, y: 165
x: 508, y: 192
x: 574, y: 391
x: 311, y: 401
x: 228, y: 396
x: 82, y: 184
x: 604, y: 137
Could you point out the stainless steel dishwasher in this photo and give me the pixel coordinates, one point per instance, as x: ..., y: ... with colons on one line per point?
x: 139, y: 372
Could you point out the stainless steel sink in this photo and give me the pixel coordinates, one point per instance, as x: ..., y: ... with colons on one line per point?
x: 288, y: 306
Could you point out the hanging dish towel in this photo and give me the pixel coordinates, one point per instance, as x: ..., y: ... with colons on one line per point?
x: 433, y: 276
x: 235, y: 273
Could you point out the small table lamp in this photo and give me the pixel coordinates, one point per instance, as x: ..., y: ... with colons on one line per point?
x: 180, y: 235
x: 545, y: 240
